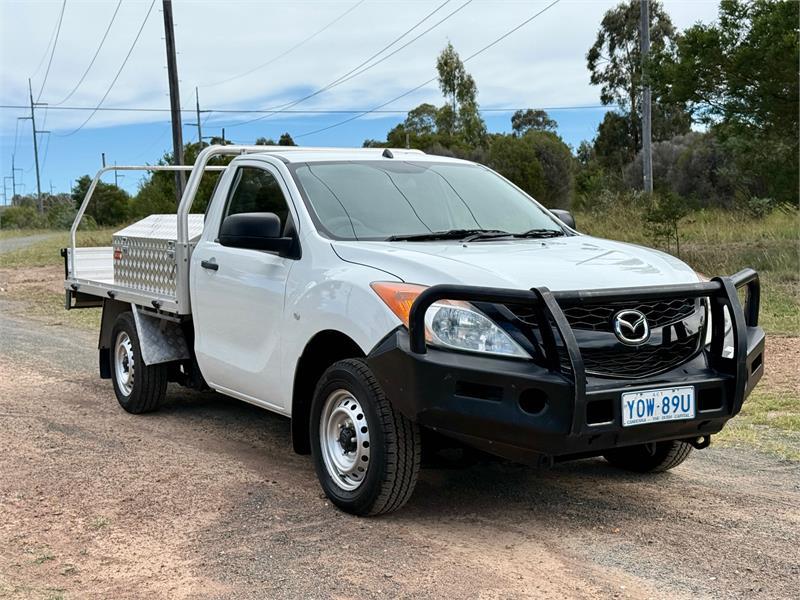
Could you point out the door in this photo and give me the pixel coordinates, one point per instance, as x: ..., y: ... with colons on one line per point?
x: 238, y: 294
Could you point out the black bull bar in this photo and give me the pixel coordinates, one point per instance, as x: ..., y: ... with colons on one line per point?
x: 721, y: 292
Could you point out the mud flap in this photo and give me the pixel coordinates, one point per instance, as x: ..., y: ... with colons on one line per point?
x: 160, y: 340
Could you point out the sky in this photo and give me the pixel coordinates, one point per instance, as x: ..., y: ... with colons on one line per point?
x: 257, y: 55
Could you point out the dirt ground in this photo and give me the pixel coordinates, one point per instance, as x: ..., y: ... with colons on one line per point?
x: 205, y: 499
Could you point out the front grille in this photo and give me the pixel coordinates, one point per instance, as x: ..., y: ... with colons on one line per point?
x: 597, y: 317
x: 624, y: 361
x: 602, y: 353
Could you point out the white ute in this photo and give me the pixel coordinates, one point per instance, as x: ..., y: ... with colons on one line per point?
x: 394, y: 304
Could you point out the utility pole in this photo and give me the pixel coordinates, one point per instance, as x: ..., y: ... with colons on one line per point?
x: 35, y: 150
x: 5, y: 192
x: 174, y: 98
x: 647, y: 150
x: 199, y: 125
x: 14, y: 170
x: 103, y: 159
x: 197, y: 114
x: 51, y: 187
x: 117, y: 176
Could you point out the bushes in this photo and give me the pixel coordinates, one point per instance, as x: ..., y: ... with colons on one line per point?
x: 539, y: 162
x: 22, y: 217
x: 109, y: 205
x: 693, y: 166
x: 663, y: 217
x: 59, y: 214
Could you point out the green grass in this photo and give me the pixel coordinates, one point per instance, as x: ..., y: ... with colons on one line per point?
x: 47, y: 252
x: 6, y: 234
x: 49, y: 306
x: 717, y: 242
x: 40, y: 301
x: 770, y: 420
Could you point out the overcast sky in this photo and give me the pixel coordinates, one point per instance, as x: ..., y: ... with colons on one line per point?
x: 541, y: 65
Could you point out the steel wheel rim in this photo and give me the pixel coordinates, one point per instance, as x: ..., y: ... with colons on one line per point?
x: 124, y: 363
x: 346, y: 457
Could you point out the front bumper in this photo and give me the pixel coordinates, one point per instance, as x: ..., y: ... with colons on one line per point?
x: 532, y: 413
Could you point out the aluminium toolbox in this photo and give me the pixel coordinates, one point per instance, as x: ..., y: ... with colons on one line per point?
x: 144, y: 253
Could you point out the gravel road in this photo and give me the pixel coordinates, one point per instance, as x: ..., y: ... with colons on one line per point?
x: 18, y: 243
x: 206, y: 499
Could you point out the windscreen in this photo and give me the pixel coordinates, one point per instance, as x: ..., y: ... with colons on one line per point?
x: 374, y: 200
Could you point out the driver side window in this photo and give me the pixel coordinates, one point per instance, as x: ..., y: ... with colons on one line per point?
x: 256, y: 190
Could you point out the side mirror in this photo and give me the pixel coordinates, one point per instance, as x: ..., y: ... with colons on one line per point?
x: 564, y: 216
x: 255, y: 231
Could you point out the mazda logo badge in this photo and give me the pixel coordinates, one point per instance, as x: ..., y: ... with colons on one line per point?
x: 631, y: 327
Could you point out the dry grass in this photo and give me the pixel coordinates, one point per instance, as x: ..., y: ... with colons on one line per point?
x: 717, y: 242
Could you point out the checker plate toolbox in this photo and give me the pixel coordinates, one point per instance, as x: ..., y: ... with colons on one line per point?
x: 144, y: 253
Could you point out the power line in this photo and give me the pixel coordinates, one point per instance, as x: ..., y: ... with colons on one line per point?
x: 119, y: 72
x: 94, y: 58
x: 355, y: 72
x: 275, y: 110
x: 53, y: 50
x: 364, y: 62
x: 432, y: 79
x: 46, y: 49
x: 292, y: 49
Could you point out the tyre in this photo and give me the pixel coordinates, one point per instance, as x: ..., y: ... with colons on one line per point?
x: 139, y: 388
x: 650, y: 458
x: 366, y: 454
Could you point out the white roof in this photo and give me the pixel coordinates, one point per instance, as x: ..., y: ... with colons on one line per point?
x: 300, y: 154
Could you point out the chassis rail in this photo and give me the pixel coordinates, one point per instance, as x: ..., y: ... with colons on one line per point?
x: 722, y: 293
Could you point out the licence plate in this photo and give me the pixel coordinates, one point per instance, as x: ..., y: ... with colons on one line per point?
x: 657, y: 406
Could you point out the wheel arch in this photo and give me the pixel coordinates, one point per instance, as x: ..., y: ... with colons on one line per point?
x: 322, y: 350
x: 112, y: 309
x: 160, y: 340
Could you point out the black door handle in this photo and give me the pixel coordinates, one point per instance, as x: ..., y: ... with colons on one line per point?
x: 207, y: 264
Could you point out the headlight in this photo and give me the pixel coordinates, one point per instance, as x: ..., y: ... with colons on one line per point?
x: 462, y: 327
x: 454, y: 325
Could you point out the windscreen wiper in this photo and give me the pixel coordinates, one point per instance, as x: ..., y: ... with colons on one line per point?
x: 449, y: 234
x: 540, y: 233
x: 495, y: 234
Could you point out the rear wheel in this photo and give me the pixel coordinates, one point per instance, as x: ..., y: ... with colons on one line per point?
x: 366, y: 454
x: 650, y: 458
x: 139, y: 388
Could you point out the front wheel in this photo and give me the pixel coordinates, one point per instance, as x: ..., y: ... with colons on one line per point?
x: 650, y: 458
x: 139, y: 388
x: 366, y: 454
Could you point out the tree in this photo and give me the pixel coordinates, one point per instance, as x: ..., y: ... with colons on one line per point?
x: 523, y: 121
x: 613, y: 146
x: 451, y: 74
x: 539, y: 162
x: 460, y: 89
x: 421, y: 120
x: 739, y: 75
x: 156, y: 194
x: 109, y: 204
x: 286, y: 140
x: 615, y: 59
x: 741, y: 70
